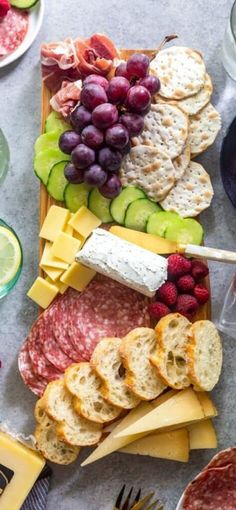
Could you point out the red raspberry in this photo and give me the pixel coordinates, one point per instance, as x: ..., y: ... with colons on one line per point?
x: 167, y: 293
x: 185, y: 283
x: 178, y: 266
x: 4, y: 8
x: 158, y: 310
x: 199, y: 270
x: 187, y: 305
x: 201, y: 293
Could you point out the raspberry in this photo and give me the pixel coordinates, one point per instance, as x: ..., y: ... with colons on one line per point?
x: 185, y: 283
x: 187, y: 305
x: 167, y: 293
x: 158, y: 310
x: 199, y: 270
x: 4, y: 8
x: 201, y: 293
x: 178, y: 266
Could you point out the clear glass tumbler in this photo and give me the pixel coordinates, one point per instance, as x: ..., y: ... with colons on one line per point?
x: 229, y: 45
x: 227, y: 320
x: 11, y: 258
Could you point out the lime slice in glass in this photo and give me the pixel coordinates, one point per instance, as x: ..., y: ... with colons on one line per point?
x: 10, y: 255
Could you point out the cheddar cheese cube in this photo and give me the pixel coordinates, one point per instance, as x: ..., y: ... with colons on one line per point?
x: 49, y: 260
x: 53, y: 273
x: 62, y: 287
x: 42, y: 292
x: 54, y: 222
x: 78, y: 276
x: 68, y: 229
x: 65, y: 247
x: 84, y: 221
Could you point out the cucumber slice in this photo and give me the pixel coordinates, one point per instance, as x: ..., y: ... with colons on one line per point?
x: 159, y: 222
x: 76, y: 195
x: 189, y: 232
x: 138, y: 213
x: 57, y: 182
x: 23, y: 4
x: 47, y: 141
x: 121, y: 203
x: 45, y: 160
x: 55, y: 122
x: 99, y: 205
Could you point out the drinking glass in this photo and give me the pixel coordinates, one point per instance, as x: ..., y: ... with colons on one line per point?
x: 227, y: 321
x: 4, y: 156
x: 6, y: 287
x: 229, y: 45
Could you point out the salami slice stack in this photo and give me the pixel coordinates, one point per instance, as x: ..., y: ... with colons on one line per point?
x: 69, y: 330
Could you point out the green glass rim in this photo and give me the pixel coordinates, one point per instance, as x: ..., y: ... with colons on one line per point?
x: 9, y: 286
x: 232, y: 15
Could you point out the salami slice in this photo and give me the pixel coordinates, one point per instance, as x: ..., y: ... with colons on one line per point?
x: 36, y: 385
x: 13, y: 29
x: 223, y: 458
x: 51, y: 349
x: 213, y: 489
x: 40, y: 364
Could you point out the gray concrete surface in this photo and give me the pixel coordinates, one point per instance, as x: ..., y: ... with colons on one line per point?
x: 131, y: 23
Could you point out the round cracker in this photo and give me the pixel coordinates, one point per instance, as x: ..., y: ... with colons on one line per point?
x: 150, y: 169
x: 181, y: 162
x: 203, y: 129
x: 165, y: 126
x: 191, y: 194
x: 181, y: 71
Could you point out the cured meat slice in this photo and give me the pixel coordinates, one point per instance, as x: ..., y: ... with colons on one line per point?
x: 50, y: 347
x: 13, y: 29
x: 213, y: 489
x: 40, y: 364
x: 223, y: 458
x: 36, y: 385
x: 65, y: 100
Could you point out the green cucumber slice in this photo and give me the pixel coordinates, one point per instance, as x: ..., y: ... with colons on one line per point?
x: 76, y: 195
x: 138, y: 213
x: 47, y: 141
x: 159, y: 222
x: 23, y: 4
x: 189, y: 232
x: 100, y: 206
x: 121, y: 203
x: 57, y: 182
x: 45, y: 160
x: 55, y: 122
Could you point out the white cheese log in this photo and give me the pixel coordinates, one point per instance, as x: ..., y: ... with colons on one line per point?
x: 124, y: 262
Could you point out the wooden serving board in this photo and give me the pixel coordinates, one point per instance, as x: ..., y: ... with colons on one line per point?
x: 46, y: 201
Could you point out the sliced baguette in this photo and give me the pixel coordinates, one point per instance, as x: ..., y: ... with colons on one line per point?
x: 40, y: 414
x: 82, y: 382
x: 71, y: 428
x: 107, y: 363
x: 141, y: 376
x: 204, y: 355
x: 52, y: 448
x: 170, y: 357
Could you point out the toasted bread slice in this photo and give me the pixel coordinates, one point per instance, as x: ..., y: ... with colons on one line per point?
x: 82, y: 382
x: 170, y: 357
x: 204, y: 355
x: 141, y: 376
x: 52, y: 448
x: 71, y: 428
x: 40, y: 414
x: 107, y: 363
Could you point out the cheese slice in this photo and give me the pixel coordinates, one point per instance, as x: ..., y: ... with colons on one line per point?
x: 150, y: 242
x: 77, y: 276
x: 49, y: 260
x: 62, y: 287
x: 42, y: 292
x: 68, y: 228
x: 208, y: 406
x: 54, y: 222
x: 65, y: 247
x: 111, y: 443
x: 19, y: 466
x: 84, y: 221
x: 184, y: 407
x: 52, y: 272
x: 202, y: 435
x: 165, y: 445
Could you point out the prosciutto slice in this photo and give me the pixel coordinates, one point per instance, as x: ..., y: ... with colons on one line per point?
x: 65, y: 100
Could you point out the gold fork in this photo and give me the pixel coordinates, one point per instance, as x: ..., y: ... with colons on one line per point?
x: 137, y: 503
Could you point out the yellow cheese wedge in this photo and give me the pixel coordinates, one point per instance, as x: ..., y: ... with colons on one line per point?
x: 65, y: 247
x: 52, y: 272
x: 182, y: 408
x: 111, y: 443
x: 202, y: 435
x: 165, y: 445
x: 62, y: 287
x: 49, y: 260
x: 21, y: 467
x: 42, y: 292
x: 84, y: 221
x: 208, y: 407
x: 78, y: 276
x: 150, y: 242
x: 54, y: 222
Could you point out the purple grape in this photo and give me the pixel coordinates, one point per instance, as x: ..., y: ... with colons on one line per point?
x: 146, y: 111
x: 68, y: 141
x: 112, y: 187
x: 92, y: 95
x: 133, y: 122
x: 73, y: 174
x: 80, y: 118
x: 117, y: 136
x: 151, y: 83
x: 138, y: 65
x: 82, y: 156
x: 118, y: 88
x: 104, y: 115
x: 109, y: 160
x: 95, y: 175
x: 92, y: 137
x: 126, y: 149
x: 98, y: 80
x: 138, y: 98
x: 121, y: 70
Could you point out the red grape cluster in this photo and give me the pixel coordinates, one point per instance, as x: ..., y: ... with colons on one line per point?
x: 109, y: 114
